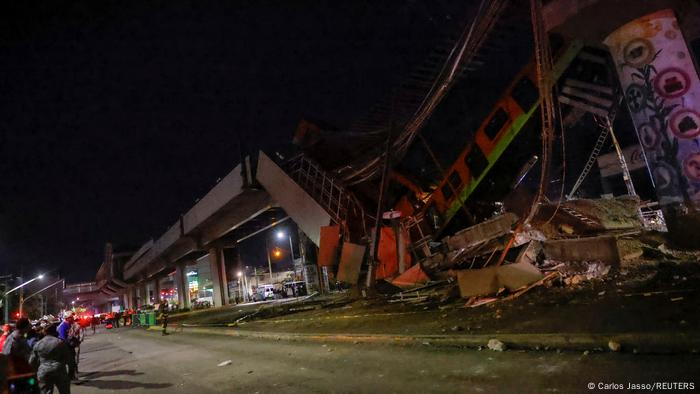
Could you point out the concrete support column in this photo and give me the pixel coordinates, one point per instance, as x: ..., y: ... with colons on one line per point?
x: 131, y: 294
x: 662, y: 87
x: 218, y: 276
x: 145, y: 298
x: 183, y: 291
x: 156, y: 291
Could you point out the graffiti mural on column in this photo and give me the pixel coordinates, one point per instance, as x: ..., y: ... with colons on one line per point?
x: 662, y: 91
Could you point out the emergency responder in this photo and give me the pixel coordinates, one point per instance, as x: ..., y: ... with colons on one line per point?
x: 163, y: 310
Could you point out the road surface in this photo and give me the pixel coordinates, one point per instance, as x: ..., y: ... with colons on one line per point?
x: 140, y: 361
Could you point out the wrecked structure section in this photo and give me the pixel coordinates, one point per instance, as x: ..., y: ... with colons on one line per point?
x: 466, y: 225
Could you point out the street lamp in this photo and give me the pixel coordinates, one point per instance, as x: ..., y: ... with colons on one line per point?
x: 7, y: 307
x: 240, y: 289
x: 21, y: 304
x: 277, y: 253
x: 280, y: 236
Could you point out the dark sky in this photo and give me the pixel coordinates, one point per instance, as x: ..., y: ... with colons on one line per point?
x: 116, y: 116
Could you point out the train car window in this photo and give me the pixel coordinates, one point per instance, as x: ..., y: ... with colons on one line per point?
x: 498, y: 120
x: 476, y: 161
x: 525, y: 93
x: 455, y: 180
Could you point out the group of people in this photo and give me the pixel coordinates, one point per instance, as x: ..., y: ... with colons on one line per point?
x: 51, y: 348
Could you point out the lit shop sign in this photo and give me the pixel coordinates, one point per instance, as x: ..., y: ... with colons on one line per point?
x: 662, y: 91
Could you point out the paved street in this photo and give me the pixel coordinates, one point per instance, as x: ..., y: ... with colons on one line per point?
x: 142, y: 361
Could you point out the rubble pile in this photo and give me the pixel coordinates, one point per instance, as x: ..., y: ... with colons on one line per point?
x: 576, y: 272
x: 574, y: 241
x: 565, y: 245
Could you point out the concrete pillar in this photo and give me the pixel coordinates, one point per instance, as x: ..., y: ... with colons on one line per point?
x: 145, y: 298
x: 662, y: 91
x: 156, y: 291
x: 183, y: 291
x: 131, y: 296
x: 218, y: 276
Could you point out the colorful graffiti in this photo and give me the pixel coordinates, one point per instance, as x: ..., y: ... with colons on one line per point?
x: 662, y: 91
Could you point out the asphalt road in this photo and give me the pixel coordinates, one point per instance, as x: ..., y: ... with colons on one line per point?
x: 141, y: 361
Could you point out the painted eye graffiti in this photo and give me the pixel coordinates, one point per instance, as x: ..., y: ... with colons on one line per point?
x: 685, y: 124
x: 672, y: 83
x: 638, y: 52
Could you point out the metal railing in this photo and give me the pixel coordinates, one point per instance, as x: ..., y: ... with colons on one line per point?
x: 330, y: 193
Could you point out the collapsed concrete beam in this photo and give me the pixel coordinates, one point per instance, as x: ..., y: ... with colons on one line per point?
x: 482, y: 232
x: 485, y: 281
x: 603, y: 248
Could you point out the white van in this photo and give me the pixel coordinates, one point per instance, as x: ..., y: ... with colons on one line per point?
x: 264, y: 292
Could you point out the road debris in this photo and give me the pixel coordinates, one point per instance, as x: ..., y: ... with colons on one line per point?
x: 496, y: 345
x: 224, y: 363
x: 614, y: 346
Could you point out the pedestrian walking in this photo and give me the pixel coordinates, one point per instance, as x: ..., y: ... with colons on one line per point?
x: 163, y: 311
x: 51, y: 358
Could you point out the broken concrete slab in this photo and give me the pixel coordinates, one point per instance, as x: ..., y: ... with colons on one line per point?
x: 482, y: 232
x: 603, y: 248
x: 477, y: 282
x: 515, y: 276
x: 350, y: 262
x: 485, y: 281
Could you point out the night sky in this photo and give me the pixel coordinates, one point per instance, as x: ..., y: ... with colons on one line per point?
x: 116, y: 116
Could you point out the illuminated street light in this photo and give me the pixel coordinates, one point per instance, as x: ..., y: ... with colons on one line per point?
x: 24, y: 299
x: 280, y: 235
x: 25, y: 283
x: 239, y: 274
x: 40, y: 276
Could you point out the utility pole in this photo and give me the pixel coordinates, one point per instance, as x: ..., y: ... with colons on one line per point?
x: 371, y: 267
x: 21, y: 298
x: 269, y: 262
x: 6, y: 300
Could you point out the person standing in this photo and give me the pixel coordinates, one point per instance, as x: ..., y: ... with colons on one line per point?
x: 6, y: 331
x: 117, y: 316
x: 15, y: 344
x: 94, y: 322
x: 163, y: 311
x: 50, y: 357
x: 64, y: 334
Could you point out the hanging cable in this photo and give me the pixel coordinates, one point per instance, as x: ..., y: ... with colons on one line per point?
x: 543, y: 60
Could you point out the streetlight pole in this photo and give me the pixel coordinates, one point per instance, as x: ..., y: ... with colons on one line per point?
x: 24, y: 299
x: 16, y: 288
x: 269, y: 261
x: 280, y: 235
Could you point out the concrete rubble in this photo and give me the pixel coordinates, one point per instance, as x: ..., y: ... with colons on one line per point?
x: 566, y: 244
